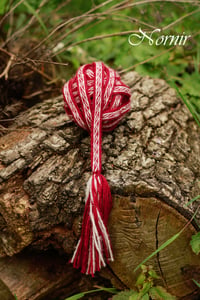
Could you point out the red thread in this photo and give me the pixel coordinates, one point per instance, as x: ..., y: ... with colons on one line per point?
x: 97, y: 100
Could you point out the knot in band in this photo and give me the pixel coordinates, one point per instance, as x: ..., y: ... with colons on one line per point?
x: 96, y: 89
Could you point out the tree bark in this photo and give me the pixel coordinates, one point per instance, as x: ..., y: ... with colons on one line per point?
x: 152, y: 163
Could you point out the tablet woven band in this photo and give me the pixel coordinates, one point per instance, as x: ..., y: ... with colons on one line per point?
x: 97, y: 100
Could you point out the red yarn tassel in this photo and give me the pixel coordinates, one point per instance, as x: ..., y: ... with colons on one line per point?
x: 94, y: 242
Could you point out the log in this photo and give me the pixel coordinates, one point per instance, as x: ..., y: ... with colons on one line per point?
x: 152, y: 163
x: 31, y: 276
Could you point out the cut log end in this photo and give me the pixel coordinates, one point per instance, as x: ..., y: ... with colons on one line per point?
x: 138, y: 228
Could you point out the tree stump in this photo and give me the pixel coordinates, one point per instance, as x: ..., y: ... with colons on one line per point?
x: 152, y: 163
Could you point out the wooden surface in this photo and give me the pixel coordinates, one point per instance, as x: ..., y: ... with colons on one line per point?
x: 151, y: 161
x: 137, y: 229
x: 32, y: 276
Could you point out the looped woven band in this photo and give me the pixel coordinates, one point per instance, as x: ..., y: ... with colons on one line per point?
x: 97, y: 100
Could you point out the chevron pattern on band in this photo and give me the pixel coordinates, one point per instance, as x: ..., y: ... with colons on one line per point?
x: 97, y: 100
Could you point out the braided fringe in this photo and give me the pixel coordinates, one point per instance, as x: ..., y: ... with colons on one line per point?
x: 94, y: 242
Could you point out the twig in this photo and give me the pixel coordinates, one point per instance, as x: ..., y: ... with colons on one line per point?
x: 181, y: 18
x: 10, y: 11
x: 63, y: 4
x: 111, y: 10
x: 39, y: 72
x: 119, y: 4
x: 5, y: 51
x: 91, y: 25
x: 152, y: 58
x: 153, y: 1
x: 73, y: 20
x: 96, y: 17
x: 134, y: 20
x: 37, y: 93
x: 59, y: 27
x: 75, y: 28
x: 7, y: 68
x: 68, y: 22
x: 195, y: 34
x: 46, y: 62
x: 21, y: 60
x: 97, y: 37
x: 146, y: 60
x: 21, y: 30
x: 7, y: 120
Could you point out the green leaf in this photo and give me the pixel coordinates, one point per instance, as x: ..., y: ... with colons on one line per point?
x: 146, y: 288
x: 198, y: 284
x: 192, y: 200
x: 126, y: 295
x: 144, y: 268
x: 195, y: 243
x: 108, y: 290
x: 196, y: 103
x: 81, y: 295
x: 139, y: 296
x: 34, y: 12
x: 140, y: 280
x: 3, y: 4
x: 190, y: 84
x: 153, y: 274
x: 159, y: 293
x: 76, y: 297
x: 145, y: 297
x: 190, y: 107
x: 135, y: 296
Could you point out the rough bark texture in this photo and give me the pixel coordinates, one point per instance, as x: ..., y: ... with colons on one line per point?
x: 151, y: 161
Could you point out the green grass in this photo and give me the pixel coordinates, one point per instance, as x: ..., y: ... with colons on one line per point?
x: 81, y: 295
x: 197, y: 283
x: 34, y: 12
